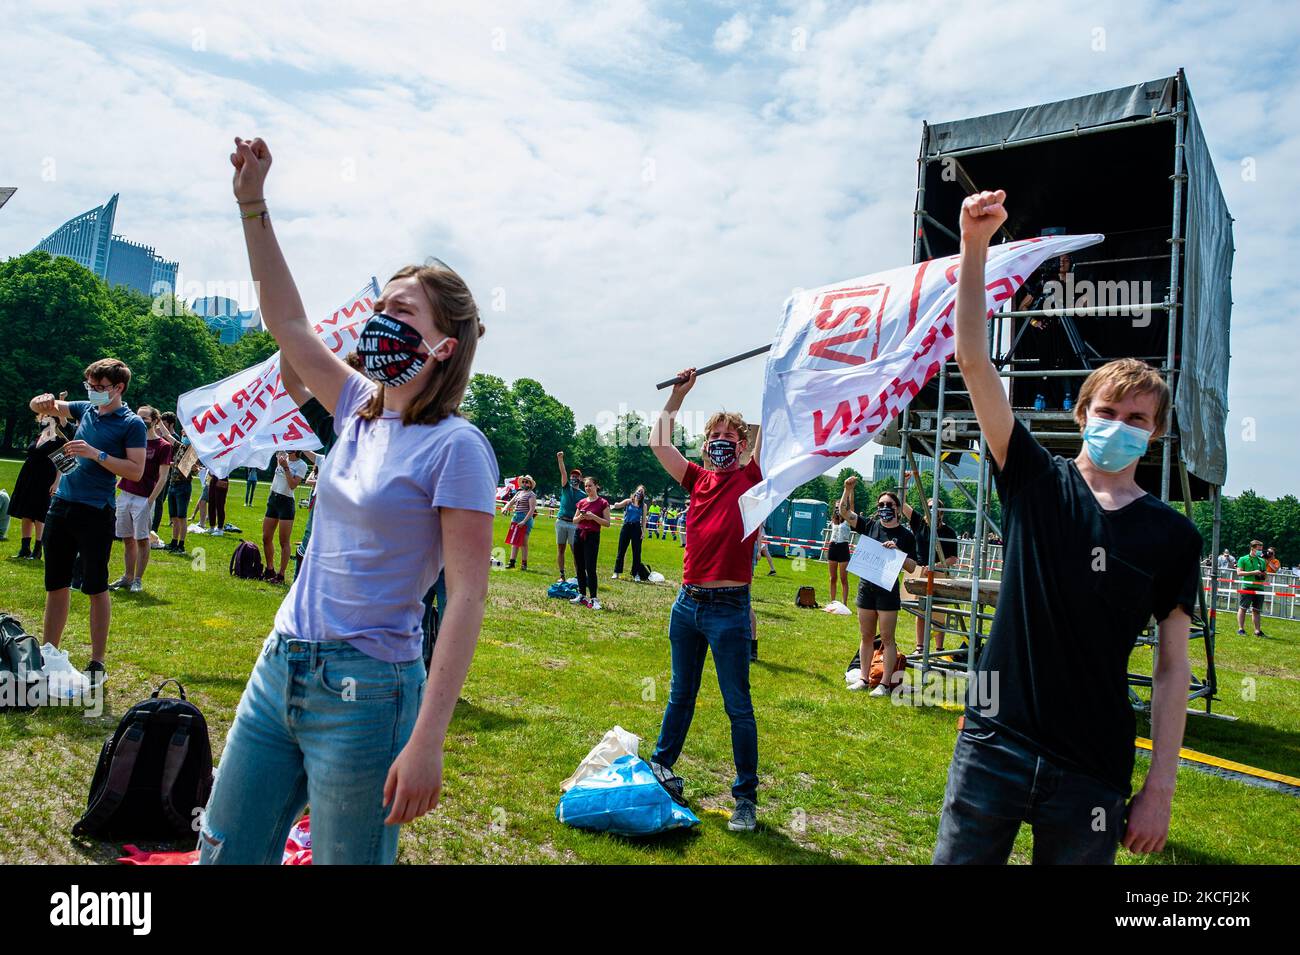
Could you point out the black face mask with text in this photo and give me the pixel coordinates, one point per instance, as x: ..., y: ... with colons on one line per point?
x: 722, y: 453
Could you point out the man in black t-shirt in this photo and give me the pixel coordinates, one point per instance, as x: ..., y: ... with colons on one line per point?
x: 1090, y: 559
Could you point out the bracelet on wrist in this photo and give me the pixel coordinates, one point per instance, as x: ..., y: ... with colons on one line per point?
x: 245, y: 202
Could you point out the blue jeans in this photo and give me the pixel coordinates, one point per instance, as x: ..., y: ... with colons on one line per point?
x: 721, y: 624
x: 318, y: 723
x: 995, y: 784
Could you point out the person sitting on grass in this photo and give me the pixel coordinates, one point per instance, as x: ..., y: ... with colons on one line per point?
x: 290, y: 469
x: 1047, y: 735
x: 878, y: 607
x: 711, y: 612
x: 338, y: 711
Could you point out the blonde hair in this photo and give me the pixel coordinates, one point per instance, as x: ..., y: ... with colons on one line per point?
x: 455, y: 315
x: 730, y: 420
x: 1119, y: 378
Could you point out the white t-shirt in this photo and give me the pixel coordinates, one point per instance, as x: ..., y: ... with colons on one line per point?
x: 280, y: 483
x: 841, y: 533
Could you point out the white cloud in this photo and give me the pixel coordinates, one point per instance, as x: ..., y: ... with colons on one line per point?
x: 733, y: 34
x: 641, y: 202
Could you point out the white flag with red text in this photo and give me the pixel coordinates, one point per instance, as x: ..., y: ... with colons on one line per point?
x: 246, y: 418
x: 848, y: 358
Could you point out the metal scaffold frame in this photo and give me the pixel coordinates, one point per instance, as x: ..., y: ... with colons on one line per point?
x: 940, y: 429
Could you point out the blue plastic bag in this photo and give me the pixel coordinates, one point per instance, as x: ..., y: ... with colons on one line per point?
x: 565, y: 591
x: 625, y: 799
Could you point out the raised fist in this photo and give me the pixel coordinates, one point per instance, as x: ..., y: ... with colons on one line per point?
x: 252, y: 161
x: 982, y: 214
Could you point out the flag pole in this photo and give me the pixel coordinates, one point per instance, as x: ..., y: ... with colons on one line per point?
x: 716, y: 365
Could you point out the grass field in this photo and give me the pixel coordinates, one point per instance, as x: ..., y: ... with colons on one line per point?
x: 844, y: 778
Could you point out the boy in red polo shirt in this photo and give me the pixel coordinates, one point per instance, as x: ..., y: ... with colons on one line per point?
x: 712, y: 607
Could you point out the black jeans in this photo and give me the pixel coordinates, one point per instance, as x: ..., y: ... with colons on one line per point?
x: 631, y: 533
x: 585, y: 549
x: 995, y: 784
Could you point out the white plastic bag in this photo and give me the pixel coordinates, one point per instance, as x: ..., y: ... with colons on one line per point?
x: 655, y: 577
x: 63, y: 680
x: 617, y: 743
x: 836, y: 607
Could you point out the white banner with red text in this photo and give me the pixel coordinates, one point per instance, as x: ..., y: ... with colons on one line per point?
x: 246, y: 418
x: 848, y: 358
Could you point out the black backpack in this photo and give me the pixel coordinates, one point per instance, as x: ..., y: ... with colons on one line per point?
x: 152, y: 774
x: 21, y: 666
x: 246, y: 561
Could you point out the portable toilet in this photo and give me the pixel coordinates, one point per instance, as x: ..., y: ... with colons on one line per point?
x: 778, y: 525
x: 808, y: 519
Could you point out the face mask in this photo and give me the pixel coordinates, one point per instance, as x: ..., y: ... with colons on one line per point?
x: 886, y: 512
x: 721, y: 452
x: 1114, y: 445
x: 573, y: 483
x: 98, y: 398
x: 390, y: 349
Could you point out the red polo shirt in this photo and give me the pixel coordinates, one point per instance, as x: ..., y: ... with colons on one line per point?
x: 715, y: 547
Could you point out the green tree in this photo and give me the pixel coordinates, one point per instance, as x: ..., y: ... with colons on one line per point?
x: 178, y: 354
x: 592, y: 452
x: 546, y: 426
x: 489, y: 405
x: 252, y: 348
x: 56, y: 318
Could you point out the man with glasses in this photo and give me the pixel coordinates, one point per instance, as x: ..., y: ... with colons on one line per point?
x: 110, y: 443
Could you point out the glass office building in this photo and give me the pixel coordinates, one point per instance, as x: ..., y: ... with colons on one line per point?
x: 224, y: 316
x: 88, y: 239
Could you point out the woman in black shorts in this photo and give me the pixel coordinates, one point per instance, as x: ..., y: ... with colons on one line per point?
x: 838, y: 554
x: 290, y: 470
x: 878, y: 607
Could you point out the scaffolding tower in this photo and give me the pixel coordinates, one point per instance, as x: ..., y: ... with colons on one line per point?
x: 1168, y: 235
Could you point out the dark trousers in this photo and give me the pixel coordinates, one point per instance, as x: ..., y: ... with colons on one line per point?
x: 631, y: 533
x: 719, y: 623
x: 157, y: 511
x: 995, y: 784
x: 250, y: 488
x: 585, y: 549
x: 217, y: 504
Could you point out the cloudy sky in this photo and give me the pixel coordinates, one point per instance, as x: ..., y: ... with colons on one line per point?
x: 632, y: 187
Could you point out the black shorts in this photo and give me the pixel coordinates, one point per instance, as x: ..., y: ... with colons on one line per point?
x: 71, y: 529
x: 871, y: 597
x: 1252, y: 601
x: 839, y: 552
x: 279, y: 506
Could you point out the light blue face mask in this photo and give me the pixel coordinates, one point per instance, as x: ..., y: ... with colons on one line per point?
x: 97, y: 398
x: 1114, y: 445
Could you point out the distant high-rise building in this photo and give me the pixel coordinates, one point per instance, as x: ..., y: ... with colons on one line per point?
x: 225, y: 317
x: 88, y: 239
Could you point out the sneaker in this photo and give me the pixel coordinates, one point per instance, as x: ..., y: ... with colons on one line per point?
x: 96, y: 673
x: 278, y: 579
x: 613, y: 576
x: 137, y: 585
x: 771, y: 573
x: 578, y: 599
x: 673, y: 783
x: 123, y: 581
x: 217, y: 532
x: 1259, y: 633
x: 880, y: 690
x: 594, y: 604
x: 859, y: 685
x: 1241, y: 633
x: 510, y: 566
x: 744, y: 818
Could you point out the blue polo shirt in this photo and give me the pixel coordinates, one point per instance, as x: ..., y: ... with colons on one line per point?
x: 92, y: 483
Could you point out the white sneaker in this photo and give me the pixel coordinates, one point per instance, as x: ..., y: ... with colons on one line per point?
x: 123, y: 581
x: 577, y: 600
x: 217, y: 532
x: 137, y: 585
x: 880, y: 690
x: 594, y: 605
x: 858, y: 685
x: 613, y: 576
